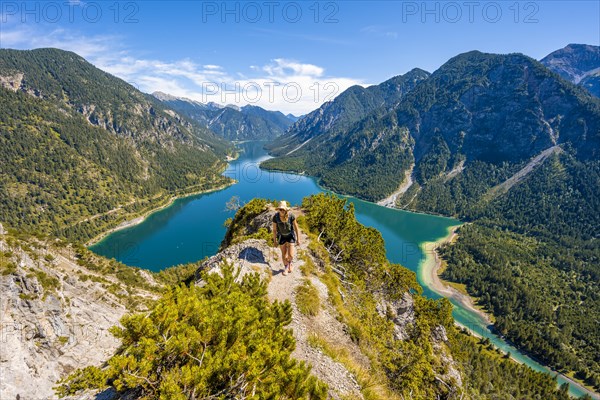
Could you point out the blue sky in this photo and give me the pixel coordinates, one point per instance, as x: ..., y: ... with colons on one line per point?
x: 288, y: 55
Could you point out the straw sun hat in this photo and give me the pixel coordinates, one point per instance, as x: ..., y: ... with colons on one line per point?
x: 283, y: 205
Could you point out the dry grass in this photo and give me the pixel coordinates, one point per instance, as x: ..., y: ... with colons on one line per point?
x: 307, y: 299
x: 370, y: 386
x: 309, y: 267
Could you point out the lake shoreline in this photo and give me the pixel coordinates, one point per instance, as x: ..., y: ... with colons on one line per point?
x: 430, y: 267
x: 327, y: 189
x: 138, y: 220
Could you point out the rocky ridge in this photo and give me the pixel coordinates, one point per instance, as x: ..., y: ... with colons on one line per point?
x: 55, y: 316
x: 256, y: 256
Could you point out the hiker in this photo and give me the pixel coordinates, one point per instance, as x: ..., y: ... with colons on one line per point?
x: 285, y: 234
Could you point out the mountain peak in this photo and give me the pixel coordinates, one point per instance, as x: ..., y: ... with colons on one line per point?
x: 230, y: 121
x: 213, y: 105
x: 164, y: 96
x: 417, y: 71
x: 581, y: 46
x: 292, y: 117
x: 575, y: 62
x: 234, y: 107
x: 349, y: 107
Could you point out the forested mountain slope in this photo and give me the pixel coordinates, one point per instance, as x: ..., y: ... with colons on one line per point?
x: 464, y: 114
x: 349, y: 107
x: 81, y: 150
x: 503, y: 142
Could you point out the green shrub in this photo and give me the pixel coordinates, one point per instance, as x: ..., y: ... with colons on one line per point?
x: 48, y: 282
x: 178, y: 274
x: 309, y: 267
x: 222, y: 340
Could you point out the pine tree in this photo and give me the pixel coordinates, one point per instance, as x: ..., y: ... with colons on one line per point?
x: 221, y: 340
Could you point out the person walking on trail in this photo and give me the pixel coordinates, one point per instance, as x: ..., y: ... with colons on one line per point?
x: 285, y: 234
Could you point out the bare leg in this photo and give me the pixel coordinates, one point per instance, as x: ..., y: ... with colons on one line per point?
x: 284, y: 254
x: 290, y: 254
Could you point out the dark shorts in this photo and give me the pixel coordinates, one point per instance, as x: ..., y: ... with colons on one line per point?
x: 287, y: 239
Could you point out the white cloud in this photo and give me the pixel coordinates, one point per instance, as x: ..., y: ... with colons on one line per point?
x: 280, y: 84
x: 282, y: 67
x: 29, y: 37
x: 379, y: 31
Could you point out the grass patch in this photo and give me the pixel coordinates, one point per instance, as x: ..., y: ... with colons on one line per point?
x: 355, y: 329
x: 332, y: 281
x: 49, y: 283
x: 93, y: 278
x: 317, y: 248
x: 8, y: 268
x: 307, y: 299
x: 370, y: 387
x: 24, y: 296
x: 309, y: 267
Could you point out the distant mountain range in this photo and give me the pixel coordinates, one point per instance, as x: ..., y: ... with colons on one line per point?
x: 467, y: 111
x: 292, y: 117
x: 500, y: 141
x: 349, y: 107
x: 82, y: 149
x: 578, y: 63
x: 231, y: 122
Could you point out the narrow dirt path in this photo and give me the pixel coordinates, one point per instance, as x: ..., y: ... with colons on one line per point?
x: 342, y: 383
x: 282, y: 286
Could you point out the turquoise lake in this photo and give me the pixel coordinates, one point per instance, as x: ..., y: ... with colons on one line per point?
x: 192, y: 228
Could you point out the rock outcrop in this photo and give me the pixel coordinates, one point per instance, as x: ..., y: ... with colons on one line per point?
x: 12, y: 82
x: 55, y: 317
x: 401, y: 312
x: 251, y: 256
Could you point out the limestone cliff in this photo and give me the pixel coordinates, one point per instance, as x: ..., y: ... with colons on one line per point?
x: 55, y: 314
